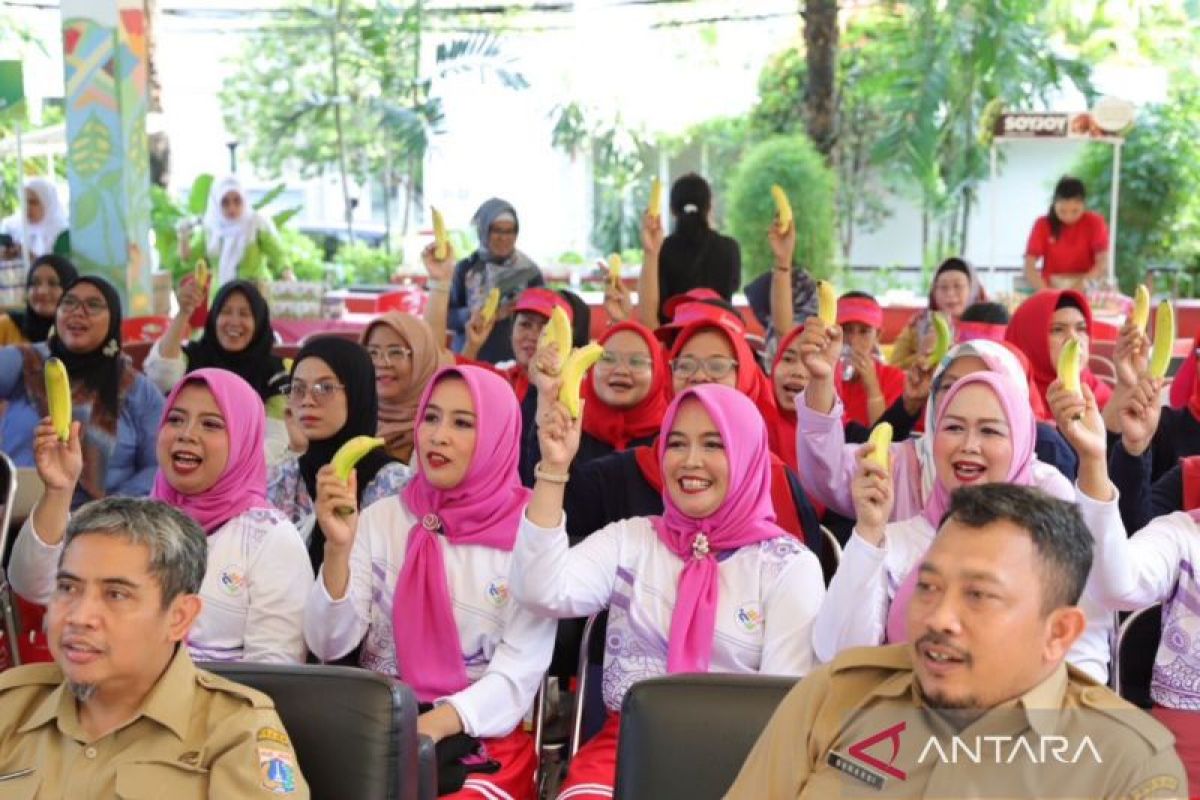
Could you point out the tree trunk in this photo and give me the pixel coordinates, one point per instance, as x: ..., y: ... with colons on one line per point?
x: 820, y: 97
x: 337, y: 117
x: 160, y: 146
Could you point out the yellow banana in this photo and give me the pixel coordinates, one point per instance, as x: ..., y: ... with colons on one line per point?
x: 351, y: 453
x: 881, y: 438
x: 439, y: 235
x: 58, y: 397
x: 826, y: 302
x: 783, y: 208
x: 614, y: 269
x: 944, y: 340
x: 1164, y: 339
x: 1069, y: 366
x: 655, y: 208
x: 557, y: 331
x: 202, y: 273
x: 288, y: 363
x: 490, y: 305
x: 1141, y: 307
x: 573, y: 373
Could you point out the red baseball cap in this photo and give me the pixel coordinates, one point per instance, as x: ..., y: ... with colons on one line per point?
x: 710, y: 313
x: 690, y: 296
x: 857, y: 308
x: 542, y: 301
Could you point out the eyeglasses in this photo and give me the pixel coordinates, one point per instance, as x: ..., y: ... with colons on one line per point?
x: 715, y: 367
x: 92, y: 307
x: 389, y: 354
x: 631, y: 361
x: 321, y: 391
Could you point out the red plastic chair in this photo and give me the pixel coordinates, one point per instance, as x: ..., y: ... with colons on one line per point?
x: 143, y: 329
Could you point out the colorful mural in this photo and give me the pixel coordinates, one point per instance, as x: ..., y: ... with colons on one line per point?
x: 104, y: 48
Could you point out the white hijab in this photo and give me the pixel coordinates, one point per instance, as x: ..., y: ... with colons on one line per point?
x: 41, y: 235
x: 228, y: 238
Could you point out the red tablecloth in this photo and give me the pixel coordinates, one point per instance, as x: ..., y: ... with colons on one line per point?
x: 293, y: 331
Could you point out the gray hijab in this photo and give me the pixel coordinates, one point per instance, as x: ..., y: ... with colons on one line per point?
x: 486, y: 216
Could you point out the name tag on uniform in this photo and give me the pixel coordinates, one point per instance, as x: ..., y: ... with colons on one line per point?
x: 855, y: 770
x: 21, y: 773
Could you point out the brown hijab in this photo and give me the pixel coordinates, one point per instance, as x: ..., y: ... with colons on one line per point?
x: 397, y: 416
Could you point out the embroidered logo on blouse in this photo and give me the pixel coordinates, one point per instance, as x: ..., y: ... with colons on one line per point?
x: 233, y: 580
x: 497, y: 592
x: 750, y: 618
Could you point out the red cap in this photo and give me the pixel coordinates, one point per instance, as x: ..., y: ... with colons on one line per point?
x: 690, y: 296
x: 693, y: 312
x: 969, y: 331
x: 859, y: 309
x: 542, y: 301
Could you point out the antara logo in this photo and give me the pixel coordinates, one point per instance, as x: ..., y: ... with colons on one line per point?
x: 858, y: 751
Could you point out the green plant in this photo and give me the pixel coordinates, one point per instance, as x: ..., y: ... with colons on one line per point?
x: 793, y: 163
x: 360, y: 263
x: 303, y: 255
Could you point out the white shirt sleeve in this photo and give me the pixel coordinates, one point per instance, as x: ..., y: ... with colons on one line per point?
x: 34, y: 565
x: 280, y: 581
x: 556, y: 580
x: 495, y: 704
x: 791, y: 607
x: 333, y: 628
x: 164, y: 372
x: 854, y: 613
x: 1132, y: 573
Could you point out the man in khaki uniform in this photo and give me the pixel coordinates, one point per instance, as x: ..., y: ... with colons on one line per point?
x: 980, y: 702
x: 123, y: 712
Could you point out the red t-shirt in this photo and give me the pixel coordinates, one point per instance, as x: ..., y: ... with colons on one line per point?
x: 854, y: 393
x: 1074, y: 250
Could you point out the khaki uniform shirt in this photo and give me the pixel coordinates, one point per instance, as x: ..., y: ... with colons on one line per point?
x: 859, y: 728
x: 196, y: 736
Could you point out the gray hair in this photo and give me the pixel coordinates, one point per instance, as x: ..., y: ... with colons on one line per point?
x: 178, y: 547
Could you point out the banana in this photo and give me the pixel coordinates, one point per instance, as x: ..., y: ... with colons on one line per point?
x: 351, y: 453
x: 557, y: 331
x: 881, y: 438
x: 783, y: 208
x: 202, y: 273
x: 1141, y: 307
x: 573, y: 373
x: 58, y: 397
x: 655, y: 208
x: 490, y: 305
x: 439, y: 235
x: 826, y: 302
x: 288, y: 363
x: 614, y: 269
x: 1069, y: 366
x: 944, y: 340
x: 1164, y: 339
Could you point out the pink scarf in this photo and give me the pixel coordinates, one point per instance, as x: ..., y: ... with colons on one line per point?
x: 1023, y: 430
x: 745, y: 517
x: 243, y: 484
x: 484, y: 510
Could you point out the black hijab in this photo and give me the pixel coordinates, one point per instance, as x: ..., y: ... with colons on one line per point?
x: 354, y: 370
x: 34, y: 327
x: 99, y: 370
x: 255, y: 364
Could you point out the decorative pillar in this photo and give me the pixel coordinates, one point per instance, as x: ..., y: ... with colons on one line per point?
x: 104, y: 48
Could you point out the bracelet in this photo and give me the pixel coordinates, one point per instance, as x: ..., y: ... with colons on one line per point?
x: 550, y: 477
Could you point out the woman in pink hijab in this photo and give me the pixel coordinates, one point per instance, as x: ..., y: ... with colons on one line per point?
x: 984, y: 432
x: 421, y: 581
x: 211, y: 466
x: 713, y: 585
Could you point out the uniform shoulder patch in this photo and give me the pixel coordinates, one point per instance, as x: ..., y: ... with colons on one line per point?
x: 31, y: 675
x: 219, y: 684
x: 276, y: 761
x: 1107, y: 702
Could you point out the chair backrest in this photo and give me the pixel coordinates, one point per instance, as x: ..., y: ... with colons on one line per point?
x: 1137, y: 646
x: 589, y: 700
x: 354, y: 730
x: 687, y: 735
x: 8, y: 496
x: 9, y: 650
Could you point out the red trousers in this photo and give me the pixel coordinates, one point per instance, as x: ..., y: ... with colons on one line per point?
x: 1185, y: 725
x: 593, y: 771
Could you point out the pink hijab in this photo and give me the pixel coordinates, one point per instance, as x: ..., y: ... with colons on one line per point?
x: 1023, y: 430
x: 243, y: 484
x: 745, y: 517
x: 484, y: 510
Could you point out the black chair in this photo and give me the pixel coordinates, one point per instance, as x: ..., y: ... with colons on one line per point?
x: 1137, y: 645
x: 687, y: 735
x: 355, y: 731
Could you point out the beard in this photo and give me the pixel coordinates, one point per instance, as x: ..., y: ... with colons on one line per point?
x: 83, y: 691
